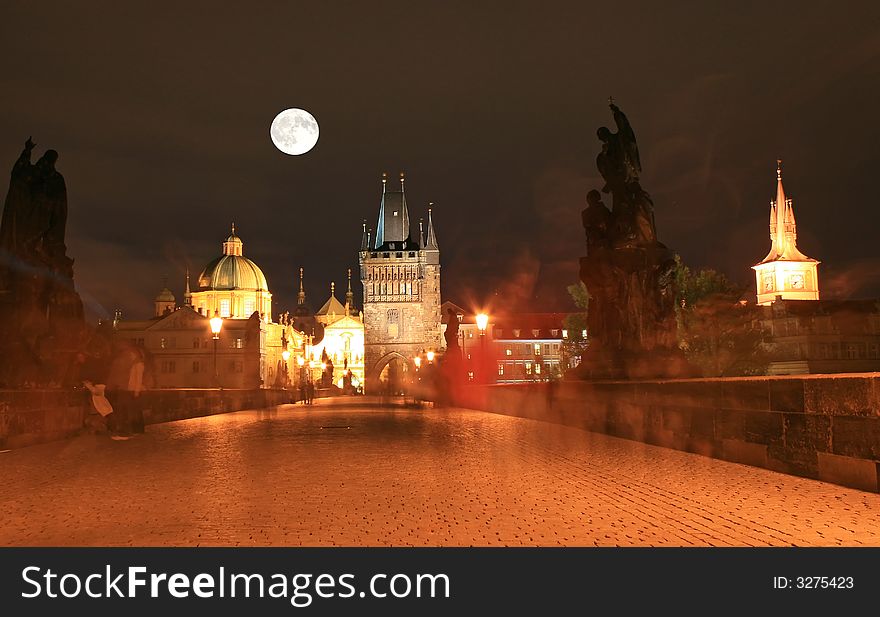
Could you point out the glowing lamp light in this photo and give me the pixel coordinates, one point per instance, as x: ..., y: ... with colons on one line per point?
x: 286, y: 355
x: 430, y: 355
x: 216, y: 324
x: 418, y: 361
x: 323, y: 366
x: 300, y: 360
x: 482, y: 322
x: 311, y: 364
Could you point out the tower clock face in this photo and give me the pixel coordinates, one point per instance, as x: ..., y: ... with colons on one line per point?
x: 797, y: 281
x: 768, y: 282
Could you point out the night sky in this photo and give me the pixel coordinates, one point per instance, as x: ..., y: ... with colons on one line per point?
x: 161, y: 112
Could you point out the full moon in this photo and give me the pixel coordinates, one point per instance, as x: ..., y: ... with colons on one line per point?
x: 294, y: 131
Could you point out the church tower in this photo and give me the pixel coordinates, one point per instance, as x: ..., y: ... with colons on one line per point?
x: 401, y: 282
x: 785, y: 271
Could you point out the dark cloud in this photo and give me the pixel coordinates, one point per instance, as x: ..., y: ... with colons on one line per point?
x: 161, y: 115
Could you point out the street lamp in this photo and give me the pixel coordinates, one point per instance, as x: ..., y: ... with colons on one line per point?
x: 482, y: 323
x: 418, y: 362
x: 430, y: 355
x: 285, y: 355
x: 216, y: 326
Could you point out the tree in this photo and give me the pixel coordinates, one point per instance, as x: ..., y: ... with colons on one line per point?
x: 574, y: 344
x: 718, y: 332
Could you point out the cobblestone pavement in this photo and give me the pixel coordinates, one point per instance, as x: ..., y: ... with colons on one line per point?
x: 334, y: 476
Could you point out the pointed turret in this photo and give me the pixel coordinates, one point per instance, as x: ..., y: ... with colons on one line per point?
x: 783, y: 229
x: 349, y: 296
x: 785, y: 272
x: 365, y: 238
x: 301, y: 296
x: 393, y: 224
x: 431, y: 237
x: 187, y: 294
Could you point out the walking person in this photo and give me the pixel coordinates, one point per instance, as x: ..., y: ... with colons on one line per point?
x: 124, y: 387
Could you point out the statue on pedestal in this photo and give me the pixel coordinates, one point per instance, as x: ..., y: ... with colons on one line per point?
x: 41, y: 314
x: 627, y: 271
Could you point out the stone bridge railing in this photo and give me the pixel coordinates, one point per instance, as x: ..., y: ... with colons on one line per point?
x: 825, y: 427
x: 29, y: 417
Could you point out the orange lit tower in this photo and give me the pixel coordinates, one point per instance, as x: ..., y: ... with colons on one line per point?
x: 785, y: 271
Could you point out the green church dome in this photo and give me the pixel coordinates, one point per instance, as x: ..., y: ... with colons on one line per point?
x: 232, y: 270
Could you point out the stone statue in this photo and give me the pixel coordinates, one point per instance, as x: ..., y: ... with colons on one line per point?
x: 618, y: 162
x: 41, y: 314
x: 627, y: 271
x: 597, y: 222
x: 451, y: 333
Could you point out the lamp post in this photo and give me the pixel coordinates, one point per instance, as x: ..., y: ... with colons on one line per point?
x: 285, y: 355
x: 482, y: 323
x: 216, y: 326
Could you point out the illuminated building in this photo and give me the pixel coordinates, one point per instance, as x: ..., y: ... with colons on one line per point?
x: 343, y: 337
x: 232, y: 285
x: 521, y: 347
x: 785, y: 273
x: 401, y: 281
x: 179, y: 345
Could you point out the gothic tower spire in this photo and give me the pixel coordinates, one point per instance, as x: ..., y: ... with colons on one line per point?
x: 431, y: 238
x: 349, y: 296
x: 365, y: 238
x: 187, y: 294
x: 301, y: 296
x: 785, y: 272
x: 393, y: 224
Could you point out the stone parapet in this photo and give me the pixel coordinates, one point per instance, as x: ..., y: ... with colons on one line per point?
x: 29, y: 417
x: 825, y: 427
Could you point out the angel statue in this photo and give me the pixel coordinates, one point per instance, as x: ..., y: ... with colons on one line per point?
x: 618, y: 162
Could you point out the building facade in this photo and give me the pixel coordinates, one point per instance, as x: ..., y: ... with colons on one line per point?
x: 825, y: 336
x: 401, y: 283
x: 515, y: 347
x: 180, y: 349
x: 342, y: 340
x: 785, y: 272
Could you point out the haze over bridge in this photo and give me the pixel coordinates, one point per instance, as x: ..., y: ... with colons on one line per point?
x: 379, y: 476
